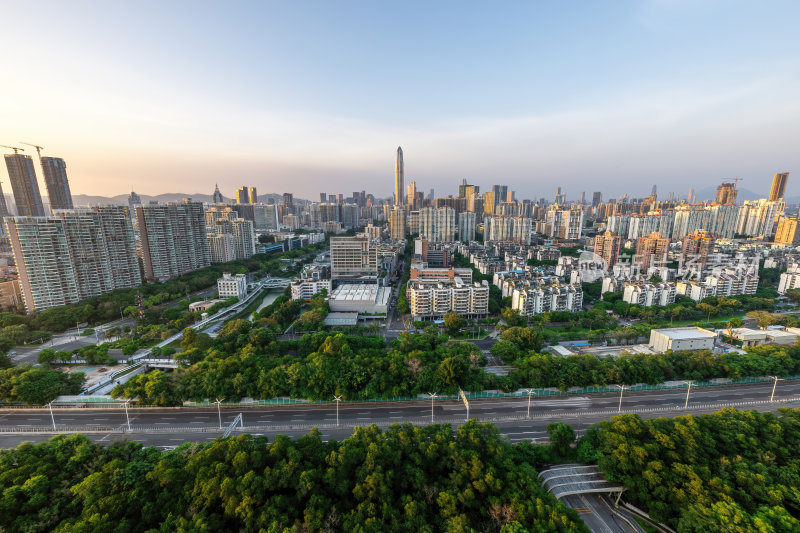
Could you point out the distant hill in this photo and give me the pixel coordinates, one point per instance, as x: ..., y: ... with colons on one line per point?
x: 710, y: 193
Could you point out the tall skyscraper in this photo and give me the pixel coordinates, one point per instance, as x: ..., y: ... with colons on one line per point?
x: 398, y: 178
x: 55, y: 178
x: 288, y: 200
x: 597, y: 198
x: 726, y: 193
x: 778, y: 186
x: 246, y: 195
x: 412, y: 196
x: 216, y: 198
x: 24, y: 185
x: 322, y: 197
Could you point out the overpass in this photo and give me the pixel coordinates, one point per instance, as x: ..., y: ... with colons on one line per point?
x: 144, y: 357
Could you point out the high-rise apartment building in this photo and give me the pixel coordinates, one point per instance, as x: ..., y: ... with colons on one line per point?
x: 651, y: 251
x: 172, y: 239
x: 564, y: 223
x: 220, y: 246
x: 507, y: 228
x: 55, y: 178
x: 243, y: 238
x: 398, y: 178
x: 24, y: 185
x: 437, y: 224
x: 288, y: 200
x: 786, y: 231
x: 466, y: 226
x: 246, y: 195
x: 726, y: 193
x: 697, y: 248
x: 75, y: 255
x: 778, y: 186
x: 608, y: 247
x: 397, y: 223
x: 353, y: 258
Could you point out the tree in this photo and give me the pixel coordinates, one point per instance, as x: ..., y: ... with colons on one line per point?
x: 762, y: 318
x: 512, y: 317
x: 46, y: 356
x: 562, y: 437
x: 453, y: 322
x: 707, y: 309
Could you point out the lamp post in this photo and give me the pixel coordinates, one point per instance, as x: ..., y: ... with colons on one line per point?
x: 219, y: 411
x: 530, y: 391
x: 126, y: 415
x: 621, y: 390
x: 774, y: 386
x: 688, y: 390
x: 432, y: 395
x: 53, y: 418
x: 337, y: 399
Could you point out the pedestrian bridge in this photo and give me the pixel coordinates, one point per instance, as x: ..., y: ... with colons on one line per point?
x: 275, y: 283
x: 568, y: 479
x: 159, y: 363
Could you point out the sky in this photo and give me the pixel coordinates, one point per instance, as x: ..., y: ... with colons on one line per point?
x: 309, y: 97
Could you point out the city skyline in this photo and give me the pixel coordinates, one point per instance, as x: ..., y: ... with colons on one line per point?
x: 672, y: 93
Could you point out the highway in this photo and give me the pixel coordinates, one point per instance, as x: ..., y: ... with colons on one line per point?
x: 168, y: 427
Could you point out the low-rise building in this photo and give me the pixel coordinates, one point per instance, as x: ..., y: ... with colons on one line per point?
x: 556, y: 297
x: 362, y: 298
x: 434, y: 299
x: 649, y: 294
x: 696, y: 290
x: 789, y: 279
x: 230, y: 285
x: 681, y: 339
x: 203, y: 305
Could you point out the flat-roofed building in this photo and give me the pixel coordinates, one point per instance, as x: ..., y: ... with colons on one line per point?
x: 557, y: 297
x: 681, y: 339
x: 371, y: 299
x: 434, y: 299
x: 649, y: 294
x: 232, y: 285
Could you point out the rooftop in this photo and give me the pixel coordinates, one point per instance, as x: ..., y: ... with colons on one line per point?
x: 686, y: 333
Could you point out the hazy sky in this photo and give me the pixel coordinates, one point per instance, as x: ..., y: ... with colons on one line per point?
x: 306, y: 97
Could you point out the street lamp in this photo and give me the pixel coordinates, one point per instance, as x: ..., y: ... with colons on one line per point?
x: 621, y: 390
x: 530, y: 391
x: 774, y: 386
x: 337, y: 399
x: 219, y: 412
x: 53, y: 418
x: 126, y: 415
x: 688, y: 390
x: 432, y: 395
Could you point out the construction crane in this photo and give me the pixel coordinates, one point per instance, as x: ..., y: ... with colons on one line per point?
x: 38, y: 149
x: 16, y: 150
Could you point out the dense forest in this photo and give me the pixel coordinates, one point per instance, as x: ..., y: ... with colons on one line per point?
x: 404, y: 479
x: 728, y: 471
x: 246, y: 360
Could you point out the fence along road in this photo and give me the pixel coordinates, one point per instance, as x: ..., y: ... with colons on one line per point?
x: 510, y: 414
